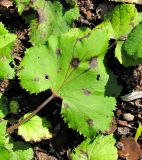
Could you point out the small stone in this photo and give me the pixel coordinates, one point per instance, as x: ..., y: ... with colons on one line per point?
x: 128, y: 116
x: 123, y: 130
x: 118, y: 113
x: 122, y: 123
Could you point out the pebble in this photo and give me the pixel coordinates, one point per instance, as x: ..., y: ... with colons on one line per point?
x: 128, y: 116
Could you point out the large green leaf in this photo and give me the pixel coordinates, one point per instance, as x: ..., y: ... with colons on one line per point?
x: 6, y: 43
x: 10, y: 150
x: 35, y: 129
x: 102, y: 148
x: 72, y: 66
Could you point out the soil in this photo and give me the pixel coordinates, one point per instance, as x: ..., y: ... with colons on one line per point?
x: 126, y: 116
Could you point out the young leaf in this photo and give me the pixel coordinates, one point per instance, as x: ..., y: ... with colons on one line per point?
x: 6, y: 43
x: 101, y: 148
x: 35, y: 129
x: 72, y: 67
x: 133, y: 45
x: 138, y: 132
x: 13, y: 150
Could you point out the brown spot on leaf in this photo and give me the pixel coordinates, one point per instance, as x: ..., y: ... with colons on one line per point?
x: 36, y: 79
x: 66, y: 106
x: 58, y: 52
x: 90, y: 122
x: 75, y: 62
x: 93, y: 62
x: 86, y: 92
x: 41, y: 16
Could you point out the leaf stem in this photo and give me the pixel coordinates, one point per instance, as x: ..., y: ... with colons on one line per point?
x: 12, y: 128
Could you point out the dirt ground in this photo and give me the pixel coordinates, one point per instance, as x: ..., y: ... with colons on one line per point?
x: 127, y: 114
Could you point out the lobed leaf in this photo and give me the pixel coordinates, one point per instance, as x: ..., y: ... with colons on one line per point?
x: 101, y: 148
x: 72, y: 66
x: 35, y: 129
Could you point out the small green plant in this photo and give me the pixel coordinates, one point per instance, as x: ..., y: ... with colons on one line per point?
x: 71, y: 62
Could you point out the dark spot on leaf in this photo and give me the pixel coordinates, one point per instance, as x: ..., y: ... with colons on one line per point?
x: 86, y: 92
x: 90, y: 122
x: 46, y: 76
x: 41, y: 16
x: 36, y: 79
x: 38, y: 57
x: 84, y: 37
x: 58, y: 52
x: 59, y: 69
x: 98, y: 77
x: 93, y: 62
x: 66, y: 106
x: 75, y: 62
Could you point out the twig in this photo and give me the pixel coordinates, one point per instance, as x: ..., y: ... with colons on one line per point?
x: 12, y: 128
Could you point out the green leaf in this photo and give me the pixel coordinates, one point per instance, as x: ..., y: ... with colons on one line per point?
x: 123, y: 19
x: 3, y: 108
x: 133, y: 45
x: 22, y: 151
x: 6, y: 43
x: 51, y: 20
x: 101, y: 148
x: 35, y: 129
x: 129, y: 1
x: 138, y: 132
x: 10, y: 150
x: 14, y: 106
x: 72, y: 66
